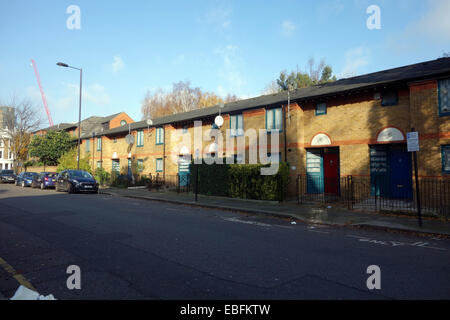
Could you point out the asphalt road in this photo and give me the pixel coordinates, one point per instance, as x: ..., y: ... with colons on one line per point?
x: 136, y: 249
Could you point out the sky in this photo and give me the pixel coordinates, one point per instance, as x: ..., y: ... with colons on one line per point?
x: 128, y: 47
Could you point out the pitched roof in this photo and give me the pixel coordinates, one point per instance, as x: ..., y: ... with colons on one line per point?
x: 414, y: 72
x: 61, y: 126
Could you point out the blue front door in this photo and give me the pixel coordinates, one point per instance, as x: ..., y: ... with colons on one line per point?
x: 314, y: 171
x: 183, y: 170
x: 390, y: 172
x: 400, y: 174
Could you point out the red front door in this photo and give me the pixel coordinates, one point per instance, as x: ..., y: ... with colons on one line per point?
x: 331, y: 172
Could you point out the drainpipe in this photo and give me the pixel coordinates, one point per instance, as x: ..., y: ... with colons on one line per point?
x: 164, y: 153
x: 285, y: 131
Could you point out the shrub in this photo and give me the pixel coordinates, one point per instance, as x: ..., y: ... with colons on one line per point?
x: 102, y: 176
x: 241, y: 181
x: 69, y: 161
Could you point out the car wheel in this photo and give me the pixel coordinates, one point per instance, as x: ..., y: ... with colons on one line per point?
x: 70, y: 190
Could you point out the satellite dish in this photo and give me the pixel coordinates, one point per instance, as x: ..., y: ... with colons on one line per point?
x: 218, y: 121
x: 149, y: 122
x: 129, y: 139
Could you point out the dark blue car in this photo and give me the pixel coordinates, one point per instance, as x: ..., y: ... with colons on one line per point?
x: 76, y: 181
x: 25, y: 179
x: 44, y: 180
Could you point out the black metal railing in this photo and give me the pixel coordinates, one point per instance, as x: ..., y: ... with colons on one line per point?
x: 377, y: 194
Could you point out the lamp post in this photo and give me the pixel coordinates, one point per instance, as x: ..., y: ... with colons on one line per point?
x: 79, y: 109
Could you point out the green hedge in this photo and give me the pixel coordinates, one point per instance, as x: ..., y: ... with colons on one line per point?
x: 240, y: 181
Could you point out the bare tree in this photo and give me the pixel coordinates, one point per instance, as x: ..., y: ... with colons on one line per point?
x: 271, y: 88
x: 316, y: 72
x: 17, y: 127
x: 182, y: 98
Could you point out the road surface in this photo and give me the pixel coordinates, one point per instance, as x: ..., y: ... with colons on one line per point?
x: 137, y: 249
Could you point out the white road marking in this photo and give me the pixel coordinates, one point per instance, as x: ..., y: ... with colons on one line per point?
x: 391, y: 243
x: 255, y: 223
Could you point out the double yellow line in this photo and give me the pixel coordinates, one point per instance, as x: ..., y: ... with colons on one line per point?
x: 20, y: 278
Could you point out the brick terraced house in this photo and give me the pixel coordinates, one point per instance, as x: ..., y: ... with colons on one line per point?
x: 355, y: 126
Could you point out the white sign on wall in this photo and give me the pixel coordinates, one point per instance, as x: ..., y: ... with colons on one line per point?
x: 412, y: 140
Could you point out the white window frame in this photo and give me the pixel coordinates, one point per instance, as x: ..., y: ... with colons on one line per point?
x: 237, y: 125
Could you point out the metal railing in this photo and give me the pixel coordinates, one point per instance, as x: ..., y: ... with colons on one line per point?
x: 377, y: 194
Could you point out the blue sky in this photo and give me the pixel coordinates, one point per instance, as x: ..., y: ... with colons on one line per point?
x: 128, y: 47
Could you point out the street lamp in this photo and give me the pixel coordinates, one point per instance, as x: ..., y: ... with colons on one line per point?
x: 79, y: 109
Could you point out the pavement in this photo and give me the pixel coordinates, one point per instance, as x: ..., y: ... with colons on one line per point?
x: 315, y: 214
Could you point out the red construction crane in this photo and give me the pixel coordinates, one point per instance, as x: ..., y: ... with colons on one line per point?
x: 42, y: 93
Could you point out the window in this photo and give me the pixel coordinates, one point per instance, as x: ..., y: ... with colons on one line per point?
x: 99, y: 144
x: 237, y: 125
x: 87, y: 145
x: 1, y: 154
x: 140, y: 138
x: 159, y: 165
x: 321, y: 109
x: 115, y: 140
x: 274, y: 119
x: 10, y: 155
x: 159, y: 135
x: 446, y: 159
x: 140, y: 165
x: 116, y: 166
x: 99, y: 164
x: 444, y: 97
x: 185, y: 129
x: 389, y: 98
x: 123, y: 122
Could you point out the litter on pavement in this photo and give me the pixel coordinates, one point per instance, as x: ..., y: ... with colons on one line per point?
x: 23, y: 293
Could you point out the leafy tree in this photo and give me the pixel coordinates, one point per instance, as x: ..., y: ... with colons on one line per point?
x: 69, y: 161
x: 322, y: 73
x: 49, y: 148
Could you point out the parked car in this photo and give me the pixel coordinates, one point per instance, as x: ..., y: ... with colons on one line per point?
x: 7, y: 176
x: 24, y: 179
x: 76, y: 181
x: 44, y: 180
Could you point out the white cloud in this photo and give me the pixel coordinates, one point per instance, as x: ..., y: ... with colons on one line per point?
x: 330, y: 9
x: 288, y: 28
x: 355, y: 59
x: 436, y: 22
x: 230, y: 71
x: 117, y: 65
x: 432, y: 28
x: 94, y: 93
x: 220, y: 17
